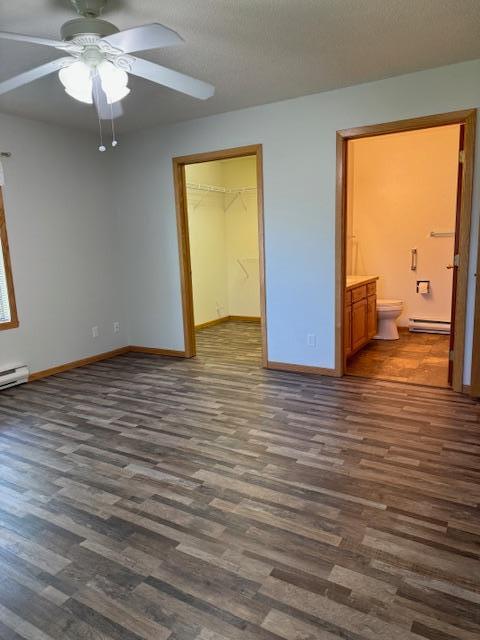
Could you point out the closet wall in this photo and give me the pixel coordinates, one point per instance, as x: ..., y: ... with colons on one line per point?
x: 206, y: 224
x: 241, y: 228
x: 223, y: 231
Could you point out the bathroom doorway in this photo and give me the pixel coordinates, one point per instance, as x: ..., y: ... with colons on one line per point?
x: 219, y: 197
x: 404, y: 225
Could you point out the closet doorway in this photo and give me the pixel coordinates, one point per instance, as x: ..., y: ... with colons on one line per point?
x: 219, y: 200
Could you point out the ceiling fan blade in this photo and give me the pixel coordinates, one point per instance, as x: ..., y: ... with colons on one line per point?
x: 172, y: 79
x: 33, y: 74
x: 105, y: 111
x: 20, y: 37
x: 149, y: 36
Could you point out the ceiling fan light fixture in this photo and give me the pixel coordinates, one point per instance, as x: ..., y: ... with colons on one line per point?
x: 81, y: 95
x: 98, y: 61
x: 114, y: 81
x: 117, y: 95
x: 77, y: 80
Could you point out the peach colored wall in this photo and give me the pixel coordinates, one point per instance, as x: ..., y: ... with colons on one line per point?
x: 401, y: 187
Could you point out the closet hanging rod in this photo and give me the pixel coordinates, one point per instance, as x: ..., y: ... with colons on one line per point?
x: 216, y: 189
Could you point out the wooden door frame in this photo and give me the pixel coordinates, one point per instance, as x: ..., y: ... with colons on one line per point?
x: 475, y: 376
x: 179, y: 164
x: 466, y: 118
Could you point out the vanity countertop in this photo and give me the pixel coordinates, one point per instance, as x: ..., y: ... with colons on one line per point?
x: 355, y: 281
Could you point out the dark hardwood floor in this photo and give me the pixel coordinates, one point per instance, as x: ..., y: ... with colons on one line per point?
x: 154, y: 498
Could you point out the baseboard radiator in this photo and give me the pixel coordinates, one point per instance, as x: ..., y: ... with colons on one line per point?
x: 11, y: 376
x: 426, y: 325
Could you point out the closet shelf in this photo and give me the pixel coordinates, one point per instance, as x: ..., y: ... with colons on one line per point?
x: 235, y: 192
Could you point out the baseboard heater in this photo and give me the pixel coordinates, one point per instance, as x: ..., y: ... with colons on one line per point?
x: 425, y: 325
x: 11, y: 376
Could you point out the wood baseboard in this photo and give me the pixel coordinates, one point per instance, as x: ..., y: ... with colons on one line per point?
x: 37, y: 375
x: 77, y: 363
x: 245, y: 319
x: 170, y: 353
x: 301, y: 368
x: 212, y: 323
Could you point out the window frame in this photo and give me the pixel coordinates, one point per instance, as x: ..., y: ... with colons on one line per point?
x: 13, y: 322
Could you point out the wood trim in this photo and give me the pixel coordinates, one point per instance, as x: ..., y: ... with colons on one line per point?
x: 300, y: 368
x: 464, y: 223
x: 475, y: 370
x: 340, y: 252
x: 184, y: 243
x: 170, y: 353
x: 184, y: 257
x: 261, y: 254
x: 468, y: 119
x: 245, y: 319
x: 211, y: 323
x: 410, y: 124
x: 104, y: 356
x: 77, y: 363
x: 13, y: 324
x: 222, y: 154
x: 475, y: 375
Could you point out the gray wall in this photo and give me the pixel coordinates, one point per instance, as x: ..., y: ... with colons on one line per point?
x: 63, y: 245
x: 93, y: 237
x: 298, y: 138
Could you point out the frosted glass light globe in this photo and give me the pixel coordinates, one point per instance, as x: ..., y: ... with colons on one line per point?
x: 114, y: 81
x: 77, y: 80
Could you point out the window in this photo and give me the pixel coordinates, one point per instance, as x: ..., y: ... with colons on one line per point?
x: 8, y: 309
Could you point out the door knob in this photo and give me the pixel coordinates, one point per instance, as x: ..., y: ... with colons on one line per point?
x: 450, y: 266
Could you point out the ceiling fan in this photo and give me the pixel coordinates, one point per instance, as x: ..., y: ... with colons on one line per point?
x: 98, y: 61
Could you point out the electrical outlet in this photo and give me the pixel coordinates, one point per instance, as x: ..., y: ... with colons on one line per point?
x: 116, y: 327
x: 95, y: 332
x: 311, y: 340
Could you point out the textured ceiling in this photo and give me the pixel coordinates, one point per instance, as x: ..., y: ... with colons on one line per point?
x: 253, y: 51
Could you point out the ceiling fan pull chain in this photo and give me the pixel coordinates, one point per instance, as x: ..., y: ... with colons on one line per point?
x: 114, y: 138
x: 101, y: 146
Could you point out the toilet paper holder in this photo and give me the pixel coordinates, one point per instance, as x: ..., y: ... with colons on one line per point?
x: 421, y: 286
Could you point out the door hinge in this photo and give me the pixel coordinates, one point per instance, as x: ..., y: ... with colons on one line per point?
x: 461, y: 156
x: 450, y: 355
x: 456, y: 259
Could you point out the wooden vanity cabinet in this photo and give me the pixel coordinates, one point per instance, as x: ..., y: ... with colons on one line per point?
x: 347, y: 325
x: 360, y: 319
x: 371, y: 316
x: 359, y: 324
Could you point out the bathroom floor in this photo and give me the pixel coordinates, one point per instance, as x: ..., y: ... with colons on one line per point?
x: 421, y: 358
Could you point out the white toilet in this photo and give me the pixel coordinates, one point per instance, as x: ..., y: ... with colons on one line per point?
x: 387, y: 313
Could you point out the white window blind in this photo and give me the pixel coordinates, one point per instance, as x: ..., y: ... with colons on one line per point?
x: 4, y: 304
